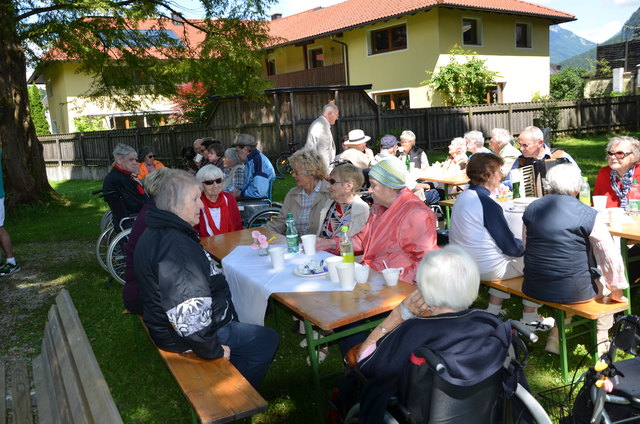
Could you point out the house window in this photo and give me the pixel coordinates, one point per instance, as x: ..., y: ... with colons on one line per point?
x: 471, y: 32
x: 389, y: 39
x: 316, y: 58
x: 395, y: 100
x: 271, y: 67
x: 494, y: 93
x: 523, y: 35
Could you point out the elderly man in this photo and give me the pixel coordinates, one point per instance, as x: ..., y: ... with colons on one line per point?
x: 258, y: 171
x: 388, y: 149
x: 121, y: 188
x: 417, y: 156
x: 198, y: 147
x: 536, y: 153
x: 502, y: 145
x: 475, y: 142
x: 319, y: 137
x: 355, y: 149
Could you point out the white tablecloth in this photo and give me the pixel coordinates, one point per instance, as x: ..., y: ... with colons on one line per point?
x: 252, y: 280
x: 513, y: 215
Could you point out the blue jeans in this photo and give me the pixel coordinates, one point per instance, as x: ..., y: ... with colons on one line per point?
x: 252, y: 348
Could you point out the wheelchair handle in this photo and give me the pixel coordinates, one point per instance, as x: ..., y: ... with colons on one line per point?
x: 93, y: 193
x: 524, y: 331
x: 432, y: 360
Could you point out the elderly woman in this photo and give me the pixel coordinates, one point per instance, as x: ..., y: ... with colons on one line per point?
x: 233, y: 171
x: 614, y: 180
x: 148, y: 163
x: 478, y: 224
x: 309, y: 200
x: 219, y: 213
x: 471, y: 343
x: 215, y: 153
x: 400, y: 230
x: 457, y: 159
x: 345, y: 181
x: 562, y: 237
x: 186, y: 301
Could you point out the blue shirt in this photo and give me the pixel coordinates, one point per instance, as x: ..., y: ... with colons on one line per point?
x: 259, y: 175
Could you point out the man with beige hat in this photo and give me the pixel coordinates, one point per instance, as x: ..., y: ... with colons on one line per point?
x: 355, y: 149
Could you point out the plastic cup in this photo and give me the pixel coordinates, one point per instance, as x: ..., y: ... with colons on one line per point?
x: 391, y: 276
x: 309, y: 244
x: 362, y: 273
x: 346, y: 275
x: 600, y: 202
x: 331, y: 266
x: 615, y: 215
x: 277, y: 257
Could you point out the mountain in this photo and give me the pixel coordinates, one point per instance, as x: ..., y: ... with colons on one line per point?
x: 564, y: 44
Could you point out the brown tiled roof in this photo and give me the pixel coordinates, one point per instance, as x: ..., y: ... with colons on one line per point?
x: 355, y: 13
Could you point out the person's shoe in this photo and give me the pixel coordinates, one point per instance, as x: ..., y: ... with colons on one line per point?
x: 500, y: 314
x: 304, y: 344
x: 553, y: 345
x: 540, y: 324
x: 324, y: 352
x: 8, y: 269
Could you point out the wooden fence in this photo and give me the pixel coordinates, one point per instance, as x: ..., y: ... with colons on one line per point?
x: 284, y: 116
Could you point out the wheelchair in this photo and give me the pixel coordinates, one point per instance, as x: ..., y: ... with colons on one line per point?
x: 256, y: 212
x: 431, y: 399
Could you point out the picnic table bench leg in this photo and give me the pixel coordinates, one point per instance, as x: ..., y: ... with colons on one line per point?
x: 313, y: 355
x: 624, y: 251
x: 562, y: 339
x: 447, y: 209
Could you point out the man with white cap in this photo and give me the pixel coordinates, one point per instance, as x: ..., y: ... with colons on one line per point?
x: 258, y: 171
x: 355, y: 149
x: 319, y: 137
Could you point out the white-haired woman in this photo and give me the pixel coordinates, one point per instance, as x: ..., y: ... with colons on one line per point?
x: 471, y: 343
x: 187, y: 303
x: 233, y: 171
x: 220, y: 213
x: 615, y: 179
x: 562, y: 236
x: 457, y: 159
x: 345, y: 181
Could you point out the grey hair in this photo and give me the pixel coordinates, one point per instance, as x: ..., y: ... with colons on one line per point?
x: 502, y: 136
x: 154, y: 181
x: 459, y: 143
x: 409, y: 135
x: 534, y: 132
x: 123, y: 150
x: 635, y: 145
x: 329, y: 107
x: 563, y: 179
x: 448, y: 277
x: 232, y: 155
x: 173, y: 190
x: 209, y: 172
x: 475, y: 136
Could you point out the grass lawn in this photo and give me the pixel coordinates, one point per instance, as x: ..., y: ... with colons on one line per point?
x: 54, y: 244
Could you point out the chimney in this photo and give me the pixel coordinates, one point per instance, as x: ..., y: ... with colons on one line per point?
x: 276, y: 16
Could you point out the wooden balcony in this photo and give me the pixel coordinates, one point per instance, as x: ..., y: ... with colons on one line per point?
x: 317, y: 77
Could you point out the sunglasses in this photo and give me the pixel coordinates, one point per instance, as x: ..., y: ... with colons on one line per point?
x: 333, y: 181
x: 619, y: 155
x: 209, y: 182
x: 150, y: 156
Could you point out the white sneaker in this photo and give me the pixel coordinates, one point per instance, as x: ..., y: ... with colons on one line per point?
x: 324, y: 352
x: 304, y: 343
x: 540, y: 324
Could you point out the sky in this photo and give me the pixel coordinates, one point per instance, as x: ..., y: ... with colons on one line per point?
x: 597, y: 20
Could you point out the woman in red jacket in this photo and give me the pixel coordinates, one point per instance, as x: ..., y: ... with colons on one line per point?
x: 220, y: 213
x: 614, y: 180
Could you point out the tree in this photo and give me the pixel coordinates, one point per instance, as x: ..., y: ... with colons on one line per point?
x: 104, y: 37
x: 568, y: 83
x: 37, y: 111
x: 462, y: 83
x: 191, y: 103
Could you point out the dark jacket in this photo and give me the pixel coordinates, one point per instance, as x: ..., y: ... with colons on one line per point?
x: 472, y: 344
x: 558, y: 263
x: 130, y: 293
x: 185, y: 302
x: 124, y: 193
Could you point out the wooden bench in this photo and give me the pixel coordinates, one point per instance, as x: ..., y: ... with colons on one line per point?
x: 69, y: 386
x: 587, y: 311
x: 214, y: 388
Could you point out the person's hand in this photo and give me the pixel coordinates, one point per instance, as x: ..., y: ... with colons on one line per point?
x: 415, y: 303
x: 617, y: 295
x: 325, y: 244
x: 351, y: 358
x: 423, y: 186
x: 227, y: 352
x: 236, y: 193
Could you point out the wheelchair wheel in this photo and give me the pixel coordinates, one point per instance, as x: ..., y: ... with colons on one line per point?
x: 282, y: 164
x: 116, y: 257
x: 106, y: 221
x: 102, y: 247
x: 262, y: 217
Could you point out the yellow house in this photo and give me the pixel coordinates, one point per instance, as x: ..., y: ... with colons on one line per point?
x: 390, y: 45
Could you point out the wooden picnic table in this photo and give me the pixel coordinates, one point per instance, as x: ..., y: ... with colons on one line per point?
x: 450, y: 180
x: 628, y: 230
x: 326, y: 310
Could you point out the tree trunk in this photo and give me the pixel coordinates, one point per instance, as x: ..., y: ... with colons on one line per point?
x: 25, y: 177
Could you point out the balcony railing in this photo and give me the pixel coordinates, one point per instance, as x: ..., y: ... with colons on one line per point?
x: 326, y: 75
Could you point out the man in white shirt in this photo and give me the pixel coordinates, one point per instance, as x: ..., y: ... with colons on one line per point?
x: 502, y: 145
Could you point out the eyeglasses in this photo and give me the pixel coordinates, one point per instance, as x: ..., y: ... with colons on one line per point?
x: 209, y: 182
x: 150, y: 156
x: 619, y: 155
x: 333, y: 181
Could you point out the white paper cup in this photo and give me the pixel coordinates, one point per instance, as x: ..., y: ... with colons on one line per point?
x: 615, y: 215
x: 391, y: 275
x: 600, y: 202
x: 277, y: 257
x: 309, y: 244
x: 331, y: 266
x: 362, y: 273
x: 346, y: 275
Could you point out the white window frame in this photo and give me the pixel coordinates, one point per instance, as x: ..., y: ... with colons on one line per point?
x: 479, y: 27
x: 529, y: 34
x: 369, y: 46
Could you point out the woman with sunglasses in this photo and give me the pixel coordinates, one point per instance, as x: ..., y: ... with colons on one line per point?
x: 345, y: 181
x: 148, y: 162
x: 220, y: 213
x: 614, y: 180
